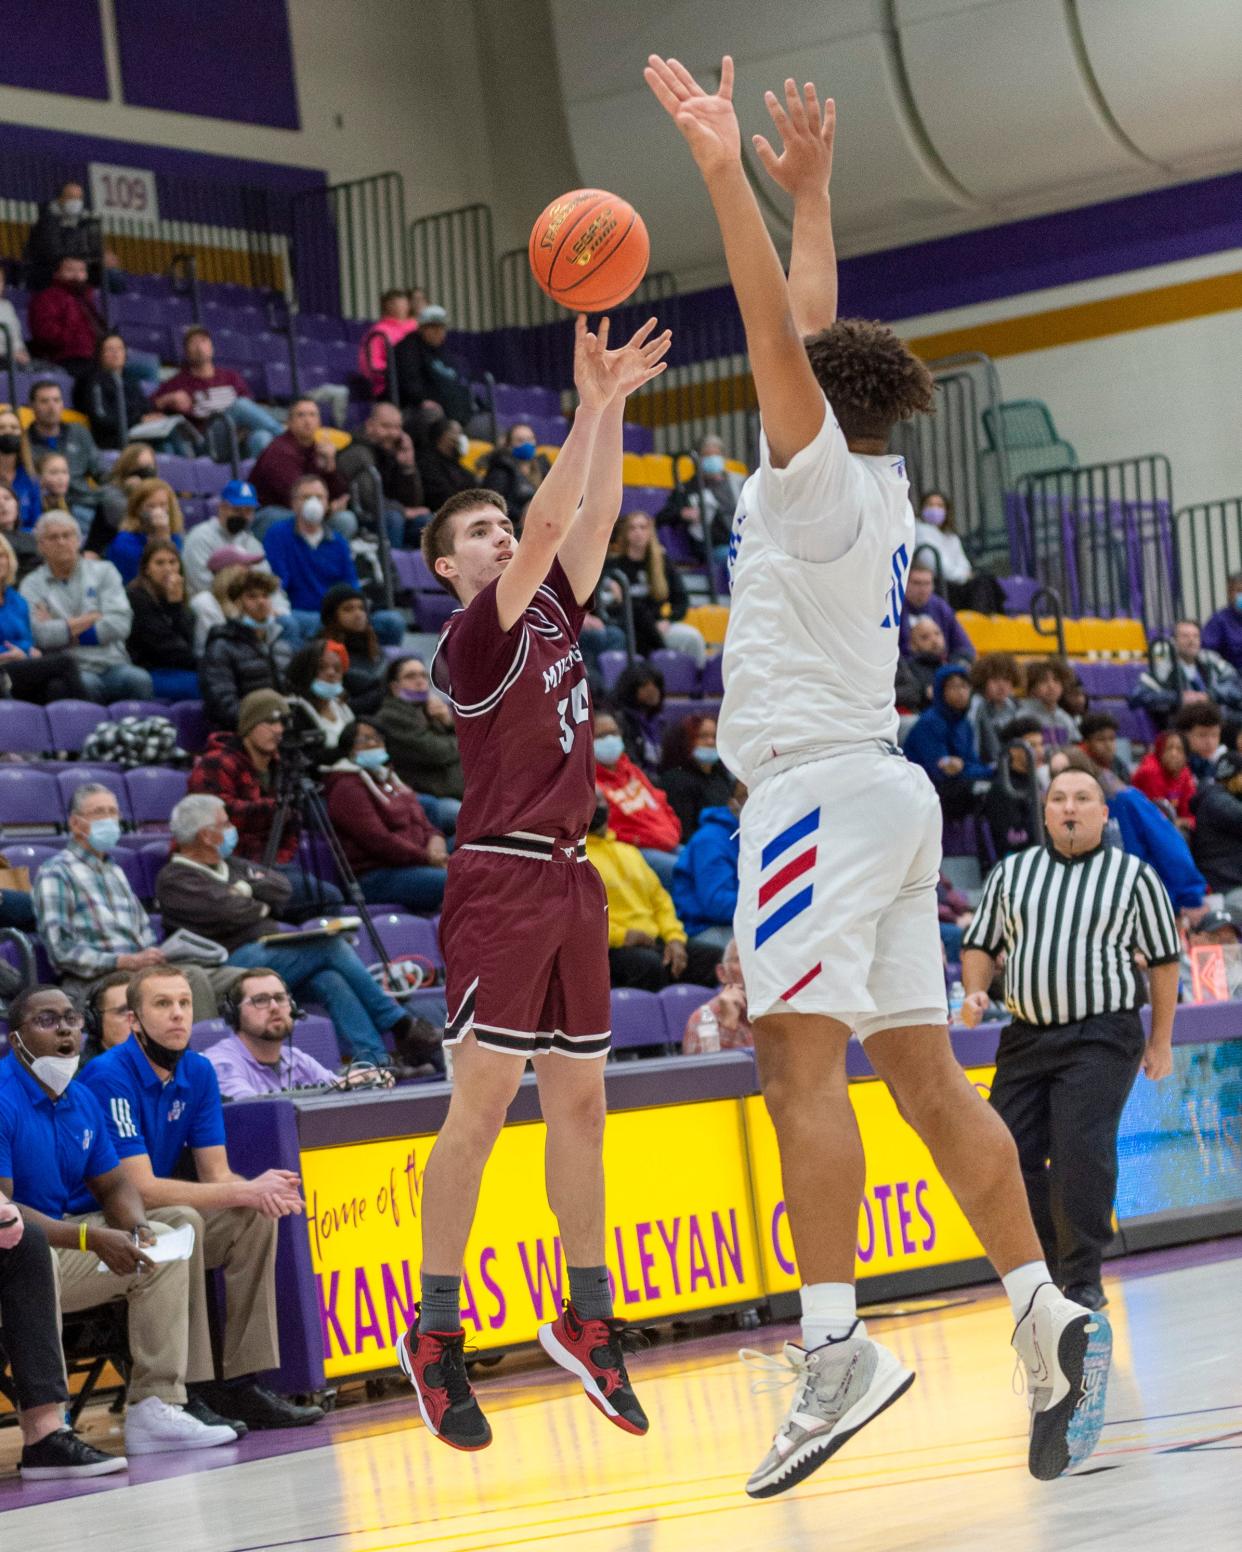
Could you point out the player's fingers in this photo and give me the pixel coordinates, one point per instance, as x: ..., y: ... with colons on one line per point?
x: 664, y: 83
x: 829, y: 127
x: 684, y: 83
x: 765, y: 153
x: 811, y: 104
x: 794, y: 104
x: 779, y: 117
x: 602, y: 334
x: 654, y: 371
x: 726, y: 78
x: 639, y: 337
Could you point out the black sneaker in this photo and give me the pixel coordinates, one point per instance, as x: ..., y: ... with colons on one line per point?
x: 258, y: 1407
x: 201, y: 1412
x: 64, y: 1455
x: 434, y: 1362
x: 1090, y: 1295
x: 594, y: 1351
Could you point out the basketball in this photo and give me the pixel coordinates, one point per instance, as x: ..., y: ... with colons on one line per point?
x: 589, y: 250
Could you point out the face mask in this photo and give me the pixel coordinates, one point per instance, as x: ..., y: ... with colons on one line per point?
x: 609, y: 748
x: 72, y: 207
x: 705, y: 756
x: 10, y: 442
x: 162, y: 1055
x: 371, y: 759
x: 313, y: 511
x: 712, y: 463
x: 934, y: 515
x: 463, y: 445
x: 235, y: 522
x: 325, y: 690
x: 523, y: 451
x: 228, y: 843
x: 413, y: 697
x: 56, y: 1072
x: 249, y: 619
x: 105, y: 833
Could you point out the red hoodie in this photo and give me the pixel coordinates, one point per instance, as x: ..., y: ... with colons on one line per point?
x: 1154, y: 781
x: 637, y: 812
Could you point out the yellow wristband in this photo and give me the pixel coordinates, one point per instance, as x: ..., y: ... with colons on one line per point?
x: 81, y: 1236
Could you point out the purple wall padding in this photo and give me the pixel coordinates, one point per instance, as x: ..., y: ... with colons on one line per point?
x: 54, y: 47
x: 232, y: 59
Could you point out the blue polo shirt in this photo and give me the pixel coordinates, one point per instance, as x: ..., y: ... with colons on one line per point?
x: 143, y: 1114
x: 50, y: 1148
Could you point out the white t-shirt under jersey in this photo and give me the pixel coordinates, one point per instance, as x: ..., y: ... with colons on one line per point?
x: 819, y: 555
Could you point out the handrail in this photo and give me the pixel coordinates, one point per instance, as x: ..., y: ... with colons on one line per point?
x: 1160, y: 651
x: 936, y: 568
x: 10, y: 365
x: 381, y: 538
x: 1052, y: 598
x: 1004, y: 780
x: 709, y: 556
x: 234, y: 444
x: 188, y: 264
x: 122, y: 413
x: 489, y: 383
x: 622, y: 582
x: 287, y: 327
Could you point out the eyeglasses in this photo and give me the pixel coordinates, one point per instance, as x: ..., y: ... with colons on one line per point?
x: 265, y: 1000
x: 70, y: 1019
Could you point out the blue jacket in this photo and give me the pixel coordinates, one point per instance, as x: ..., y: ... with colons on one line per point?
x: 705, y: 878
x: 306, y: 571
x: 126, y: 551
x: 1146, y: 833
x: 14, y: 621
x: 941, y: 732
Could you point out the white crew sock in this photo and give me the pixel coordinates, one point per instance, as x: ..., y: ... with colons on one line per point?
x: 829, y: 1313
x: 1021, y: 1283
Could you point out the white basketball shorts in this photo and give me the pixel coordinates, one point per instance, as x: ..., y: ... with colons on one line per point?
x: 836, y: 910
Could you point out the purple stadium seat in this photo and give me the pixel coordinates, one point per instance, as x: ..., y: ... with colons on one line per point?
x: 29, y: 799
x: 611, y: 667
x: 122, y: 709
x: 637, y: 1020
x: 206, y: 1033
x: 402, y: 935
x: 179, y: 472
x: 713, y: 676
x: 413, y: 572
x: 23, y: 728
x: 133, y: 865
x: 431, y: 610
x: 29, y: 855
x: 70, y: 779
x: 153, y: 793
x: 73, y: 722
x: 316, y: 1035
x: 643, y: 498
x: 960, y: 838
x: 1135, y: 724
x: 681, y: 676
x: 637, y: 439
x: 677, y: 1004
x: 192, y: 726
x: 1018, y: 593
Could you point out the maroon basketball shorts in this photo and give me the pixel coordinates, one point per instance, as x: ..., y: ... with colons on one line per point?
x: 524, y: 932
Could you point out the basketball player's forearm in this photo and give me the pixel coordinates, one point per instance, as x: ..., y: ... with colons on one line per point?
x: 978, y: 969
x: 555, y: 504
x: 813, y: 265
x: 586, y: 544
x: 755, y: 269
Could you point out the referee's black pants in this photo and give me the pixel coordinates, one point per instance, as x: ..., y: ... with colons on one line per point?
x: 1061, y: 1091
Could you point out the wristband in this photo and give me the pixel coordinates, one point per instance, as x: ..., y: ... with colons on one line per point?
x: 82, y: 1235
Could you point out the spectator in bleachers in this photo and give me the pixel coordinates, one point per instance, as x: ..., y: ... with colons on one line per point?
x: 942, y: 741
x: 395, y: 321
x: 249, y: 652
x: 1222, y: 633
x: 159, y: 1099
x: 1201, y: 725
x: 79, y: 605
x: 390, y: 843
x: 104, y: 391
x: 639, y: 698
x: 161, y: 639
x: 440, y: 467
x: 98, y: 1245
x: 201, y: 390
x: 1011, y: 804
x: 936, y: 529
x: 25, y: 550
x: 657, y: 591
x: 31, y: 675
x: 722, y: 489
x: 515, y: 470
x: 107, y: 1015
x: 1186, y: 677
x: 17, y: 469
x: 54, y: 483
x: 49, y: 432
x: 152, y: 514
x: 639, y: 813
x: 135, y: 464
x: 308, y: 556
x: 261, y: 1056
x: 15, y: 339
x: 90, y: 919
x: 244, y: 770
x: 65, y: 321
x: 316, y: 682
x: 705, y: 878
x: 63, y: 228
x: 647, y: 944
x: 302, y: 451
x: 1075, y: 701
x: 350, y: 626
x: 1045, y: 685
x: 208, y: 889
x: 995, y: 679
x: 693, y: 775
x: 421, y: 738
x: 921, y: 598
x: 917, y: 669
x: 728, y: 1008
x: 1164, y: 774
x: 1218, y: 829
x: 385, y: 445
x: 1099, y: 744
x: 427, y: 374
x: 227, y: 535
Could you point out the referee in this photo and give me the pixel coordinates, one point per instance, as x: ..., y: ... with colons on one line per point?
x: 1070, y: 916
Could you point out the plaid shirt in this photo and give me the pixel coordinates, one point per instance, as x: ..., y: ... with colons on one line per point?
x: 226, y: 771
x: 87, y: 913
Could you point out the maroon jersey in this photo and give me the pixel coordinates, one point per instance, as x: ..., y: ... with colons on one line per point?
x: 523, y: 707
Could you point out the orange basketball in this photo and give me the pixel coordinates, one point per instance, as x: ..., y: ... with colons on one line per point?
x: 589, y: 250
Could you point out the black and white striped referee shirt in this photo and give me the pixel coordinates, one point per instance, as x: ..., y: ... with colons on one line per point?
x: 1070, y: 927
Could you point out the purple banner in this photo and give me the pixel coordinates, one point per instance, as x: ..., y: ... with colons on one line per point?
x: 54, y: 47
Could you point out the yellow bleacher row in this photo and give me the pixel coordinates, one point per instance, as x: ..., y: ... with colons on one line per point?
x: 1083, y: 638
x: 654, y: 470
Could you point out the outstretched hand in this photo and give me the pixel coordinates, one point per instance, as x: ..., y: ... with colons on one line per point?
x: 602, y: 375
x: 807, y: 133
x: 707, y: 121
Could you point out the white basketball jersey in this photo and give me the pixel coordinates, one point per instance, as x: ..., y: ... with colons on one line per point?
x: 810, y: 656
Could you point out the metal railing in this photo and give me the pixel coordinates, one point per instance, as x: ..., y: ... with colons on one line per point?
x: 1047, y: 598
x: 695, y: 488
x: 184, y: 274
x: 1209, y: 552
x: 453, y: 257
x: 10, y: 365
x: 1102, y: 536
x: 348, y: 245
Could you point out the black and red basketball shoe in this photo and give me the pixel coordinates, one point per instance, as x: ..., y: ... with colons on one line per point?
x: 434, y: 1362
x: 594, y: 1350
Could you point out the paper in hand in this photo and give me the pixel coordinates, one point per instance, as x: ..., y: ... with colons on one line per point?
x: 176, y: 1245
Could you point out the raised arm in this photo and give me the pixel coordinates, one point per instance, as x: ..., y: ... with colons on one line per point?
x: 790, y: 401
x: 804, y: 171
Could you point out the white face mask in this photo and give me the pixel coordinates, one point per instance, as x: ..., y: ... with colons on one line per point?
x: 55, y: 1072
x: 72, y: 207
x: 313, y: 511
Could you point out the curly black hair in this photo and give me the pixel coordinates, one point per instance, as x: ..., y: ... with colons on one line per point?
x: 870, y: 378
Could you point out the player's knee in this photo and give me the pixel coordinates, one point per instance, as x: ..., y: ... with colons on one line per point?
x: 583, y: 1114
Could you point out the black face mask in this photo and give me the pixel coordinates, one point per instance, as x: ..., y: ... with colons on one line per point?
x: 161, y: 1055
x: 10, y: 442
x: 235, y: 522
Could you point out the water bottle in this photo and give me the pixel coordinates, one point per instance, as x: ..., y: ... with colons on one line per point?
x: 709, y: 1029
x: 957, y: 996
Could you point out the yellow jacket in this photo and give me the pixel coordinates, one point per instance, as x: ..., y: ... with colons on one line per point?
x: 637, y: 901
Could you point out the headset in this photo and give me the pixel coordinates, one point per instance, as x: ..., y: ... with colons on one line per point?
x: 233, y: 1001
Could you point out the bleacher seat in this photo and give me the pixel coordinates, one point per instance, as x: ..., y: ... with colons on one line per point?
x: 681, y: 674
x: 316, y: 1036
x: 29, y: 855
x: 611, y: 667
x: 710, y: 619
x: 30, y: 800
x: 192, y: 726
x: 712, y: 682
x: 24, y: 728
x: 119, y: 710
x: 73, y: 722
x: 154, y: 791
x: 205, y: 1033
x: 677, y: 1003
x: 69, y: 779
x: 402, y: 936
x: 637, y: 1020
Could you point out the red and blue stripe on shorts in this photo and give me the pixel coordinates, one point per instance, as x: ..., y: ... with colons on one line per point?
x: 785, y: 891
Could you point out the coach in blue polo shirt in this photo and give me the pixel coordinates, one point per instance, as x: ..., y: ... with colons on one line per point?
x: 160, y: 1098
x: 56, y: 1162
